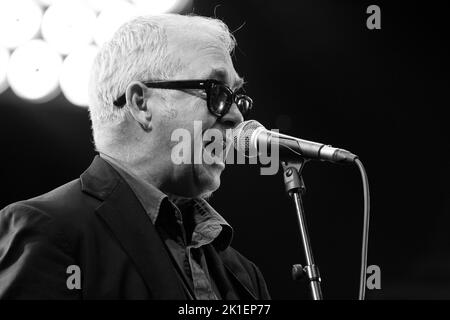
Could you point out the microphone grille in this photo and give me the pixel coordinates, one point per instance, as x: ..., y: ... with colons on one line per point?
x: 242, y: 134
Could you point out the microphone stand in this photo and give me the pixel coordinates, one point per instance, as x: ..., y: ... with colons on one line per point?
x: 295, y: 187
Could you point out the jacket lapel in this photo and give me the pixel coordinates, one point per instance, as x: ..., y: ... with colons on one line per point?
x: 232, y: 282
x: 125, y: 217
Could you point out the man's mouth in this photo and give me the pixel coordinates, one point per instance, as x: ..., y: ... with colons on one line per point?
x: 218, y: 150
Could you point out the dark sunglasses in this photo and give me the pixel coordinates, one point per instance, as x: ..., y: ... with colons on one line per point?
x: 219, y: 97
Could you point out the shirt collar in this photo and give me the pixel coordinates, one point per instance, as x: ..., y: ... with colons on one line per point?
x: 210, y: 226
x: 148, y: 195
x: 206, y: 218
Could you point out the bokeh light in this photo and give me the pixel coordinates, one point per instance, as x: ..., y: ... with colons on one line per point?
x: 36, y: 35
x: 155, y: 6
x: 68, y: 25
x: 4, y: 59
x: 111, y: 18
x: 33, y: 71
x: 46, y: 3
x: 97, y: 5
x: 75, y: 72
x: 20, y: 21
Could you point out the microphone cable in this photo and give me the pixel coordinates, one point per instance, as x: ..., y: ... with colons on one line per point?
x: 365, y: 238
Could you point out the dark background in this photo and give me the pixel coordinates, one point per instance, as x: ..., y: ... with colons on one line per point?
x: 315, y: 71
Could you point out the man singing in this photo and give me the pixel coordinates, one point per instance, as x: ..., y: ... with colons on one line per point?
x: 136, y: 225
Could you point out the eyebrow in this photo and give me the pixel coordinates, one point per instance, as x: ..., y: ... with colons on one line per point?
x: 222, y: 75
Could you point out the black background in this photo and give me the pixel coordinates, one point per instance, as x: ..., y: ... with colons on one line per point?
x: 315, y: 71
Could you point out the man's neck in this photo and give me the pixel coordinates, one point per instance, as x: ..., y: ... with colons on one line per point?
x: 139, y: 169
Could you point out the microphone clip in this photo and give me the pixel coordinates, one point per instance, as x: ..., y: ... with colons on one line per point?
x: 292, y: 174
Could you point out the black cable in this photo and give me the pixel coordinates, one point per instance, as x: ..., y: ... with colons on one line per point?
x: 365, y: 239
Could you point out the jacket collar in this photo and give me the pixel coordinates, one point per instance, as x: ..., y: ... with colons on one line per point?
x: 125, y: 217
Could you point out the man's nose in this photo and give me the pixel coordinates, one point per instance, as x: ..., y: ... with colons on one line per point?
x: 233, y: 117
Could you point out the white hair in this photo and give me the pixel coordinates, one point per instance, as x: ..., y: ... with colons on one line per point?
x: 139, y: 51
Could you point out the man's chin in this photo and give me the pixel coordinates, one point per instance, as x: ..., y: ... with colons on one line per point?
x: 207, y: 180
x: 206, y: 196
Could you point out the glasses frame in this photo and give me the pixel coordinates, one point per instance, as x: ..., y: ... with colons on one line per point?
x: 206, y: 85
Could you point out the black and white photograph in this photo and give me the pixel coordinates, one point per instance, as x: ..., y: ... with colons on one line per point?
x: 244, y: 151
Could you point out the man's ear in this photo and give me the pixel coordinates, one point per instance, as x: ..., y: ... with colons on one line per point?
x: 137, y: 95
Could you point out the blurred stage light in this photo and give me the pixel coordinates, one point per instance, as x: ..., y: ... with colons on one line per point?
x: 156, y: 6
x: 45, y: 3
x: 74, y: 78
x: 118, y: 12
x: 111, y: 18
x: 97, y: 5
x: 4, y: 59
x: 68, y: 25
x: 33, y: 71
x: 19, y: 22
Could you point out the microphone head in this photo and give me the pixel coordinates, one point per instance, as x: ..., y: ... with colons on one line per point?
x: 242, y: 135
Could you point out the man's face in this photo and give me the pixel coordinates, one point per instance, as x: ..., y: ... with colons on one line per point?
x: 203, y: 61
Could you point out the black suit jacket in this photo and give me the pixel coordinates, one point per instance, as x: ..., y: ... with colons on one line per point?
x: 97, y: 223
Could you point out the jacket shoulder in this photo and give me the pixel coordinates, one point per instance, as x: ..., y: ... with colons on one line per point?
x: 62, y: 200
x: 66, y: 209
x: 34, y: 254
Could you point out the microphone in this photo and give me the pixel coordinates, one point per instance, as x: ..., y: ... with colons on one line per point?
x: 249, y: 135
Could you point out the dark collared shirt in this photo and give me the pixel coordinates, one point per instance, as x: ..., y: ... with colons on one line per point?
x: 185, y: 226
